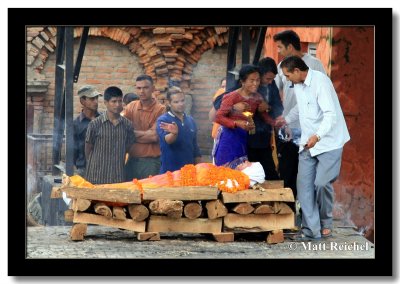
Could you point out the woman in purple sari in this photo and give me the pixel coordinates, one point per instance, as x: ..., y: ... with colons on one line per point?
x: 231, y: 141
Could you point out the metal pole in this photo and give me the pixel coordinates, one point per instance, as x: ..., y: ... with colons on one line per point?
x: 58, y: 99
x: 259, y: 44
x: 69, y: 107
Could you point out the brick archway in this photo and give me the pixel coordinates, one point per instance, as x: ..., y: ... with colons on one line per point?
x: 167, y: 54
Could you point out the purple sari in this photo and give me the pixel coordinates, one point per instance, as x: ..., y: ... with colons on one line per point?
x: 230, y: 144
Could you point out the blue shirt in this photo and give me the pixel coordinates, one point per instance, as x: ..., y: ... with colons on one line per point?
x: 185, y: 149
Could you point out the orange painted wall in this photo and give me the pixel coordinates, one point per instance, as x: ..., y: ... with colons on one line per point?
x: 348, y: 57
x: 353, y: 77
x: 319, y: 35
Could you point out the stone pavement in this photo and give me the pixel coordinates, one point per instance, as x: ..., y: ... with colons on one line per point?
x: 105, y: 242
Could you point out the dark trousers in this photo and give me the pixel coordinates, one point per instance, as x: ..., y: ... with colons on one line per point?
x: 288, y: 163
x: 264, y: 156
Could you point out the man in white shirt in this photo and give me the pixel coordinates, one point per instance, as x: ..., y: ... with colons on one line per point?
x: 288, y: 44
x: 324, y: 133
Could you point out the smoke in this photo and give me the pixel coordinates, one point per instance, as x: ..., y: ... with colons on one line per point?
x: 31, y: 182
x: 343, y: 214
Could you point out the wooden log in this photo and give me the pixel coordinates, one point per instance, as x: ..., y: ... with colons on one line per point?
x: 216, y: 209
x: 138, y: 212
x: 264, y: 209
x: 68, y: 215
x: 80, y: 204
x: 148, y: 236
x: 104, y: 194
x: 258, y: 223
x: 192, y: 210
x: 171, y: 208
x: 126, y: 224
x: 78, y: 232
x: 281, y: 194
x: 243, y: 208
x: 102, y: 209
x: 275, y: 237
x: 119, y: 213
x: 181, y: 193
x: 224, y: 237
x: 282, y: 208
x: 184, y: 225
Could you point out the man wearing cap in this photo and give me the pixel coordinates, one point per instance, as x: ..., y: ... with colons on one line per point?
x: 88, y: 96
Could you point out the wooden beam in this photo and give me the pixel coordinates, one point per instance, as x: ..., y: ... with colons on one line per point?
x: 281, y: 194
x: 224, y: 237
x: 56, y: 192
x: 184, y: 225
x: 104, y: 194
x: 127, y: 224
x: 258, y: 223
x: 272, y: 184
x: 181, y: 193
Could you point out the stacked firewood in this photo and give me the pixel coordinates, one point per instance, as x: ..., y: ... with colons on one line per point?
x: 262, y: 210
x: 190, y: 209
x: 183, y: 209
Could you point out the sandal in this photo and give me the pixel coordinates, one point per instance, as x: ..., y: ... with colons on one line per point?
x: 328, y: 233
x: 303, y: 238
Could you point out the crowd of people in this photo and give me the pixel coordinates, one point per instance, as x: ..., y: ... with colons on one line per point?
x: 284, y: 118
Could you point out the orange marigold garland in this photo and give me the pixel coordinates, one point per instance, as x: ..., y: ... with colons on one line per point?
x: 204, y: 174
x: 188, y: 175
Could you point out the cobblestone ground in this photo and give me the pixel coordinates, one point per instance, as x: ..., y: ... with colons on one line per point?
x: 105, y: 242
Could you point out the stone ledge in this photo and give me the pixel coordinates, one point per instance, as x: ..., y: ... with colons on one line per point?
x: 37, y: 88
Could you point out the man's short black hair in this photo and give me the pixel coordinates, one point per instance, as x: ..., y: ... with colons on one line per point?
x: 112, y: 92
x: 267, y: 64
x: 145, y: 77
x: 292, y: 62
x: 129, y: 97
x: 288, y: 37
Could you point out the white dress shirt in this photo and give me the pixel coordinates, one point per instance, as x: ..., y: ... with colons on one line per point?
x: 320, y: 113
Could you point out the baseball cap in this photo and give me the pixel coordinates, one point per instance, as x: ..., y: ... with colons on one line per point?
x: 88, y: 91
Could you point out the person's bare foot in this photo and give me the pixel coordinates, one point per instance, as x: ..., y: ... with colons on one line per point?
x: 326, y: 233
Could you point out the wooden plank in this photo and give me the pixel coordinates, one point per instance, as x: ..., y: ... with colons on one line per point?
x: 148, y: 236
x: 104, y: 194
x: 272, y: 184
x: 275, y: 237
x: 127, y: 224
x: 56, y: 192
x: 184, y: 225
x: 78, y: 232
x: 224, y: 237
x: 280, y: 194
x: 181, y: 193
x: 68, y: 215
x: 258, y: 223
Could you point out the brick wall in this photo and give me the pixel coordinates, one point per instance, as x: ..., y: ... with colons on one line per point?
x: 105, y: 63
x: 206, y: 78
